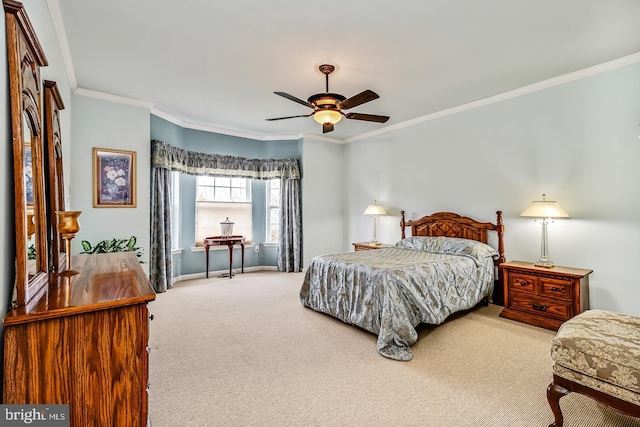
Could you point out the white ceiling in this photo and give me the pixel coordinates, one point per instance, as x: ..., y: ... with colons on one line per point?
x: 217, y: 63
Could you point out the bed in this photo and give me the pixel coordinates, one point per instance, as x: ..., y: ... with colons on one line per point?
x: 444, y: 267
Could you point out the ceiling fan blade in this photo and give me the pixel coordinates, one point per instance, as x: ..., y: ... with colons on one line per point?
x: 289, y: 117
x: 367, y: 117
x: 294, y: 99
x: 358, y: 99
x: 327, y: 127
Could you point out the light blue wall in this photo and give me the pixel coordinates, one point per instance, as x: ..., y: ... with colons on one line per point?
x: 163, y: 130
x: 191, y: 261
x: 104, y: 124
x: 323, y: 191
x: 576, y: 142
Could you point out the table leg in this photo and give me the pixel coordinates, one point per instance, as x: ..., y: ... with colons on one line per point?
x: 242, y: 245
x: 206, y: 250
x: 230, y: 261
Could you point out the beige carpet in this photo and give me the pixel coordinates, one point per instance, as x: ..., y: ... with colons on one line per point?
x: 245, y: 352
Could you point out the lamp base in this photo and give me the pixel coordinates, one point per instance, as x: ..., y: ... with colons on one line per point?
x: 375, y: 243
x: 543, y: 263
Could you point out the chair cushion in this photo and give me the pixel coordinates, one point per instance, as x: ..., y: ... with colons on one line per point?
x: 600, y: 344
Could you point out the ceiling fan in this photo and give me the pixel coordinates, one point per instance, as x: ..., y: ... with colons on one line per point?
x: 328, y: 107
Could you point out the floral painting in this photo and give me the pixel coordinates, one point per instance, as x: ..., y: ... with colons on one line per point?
x: 114, y: 176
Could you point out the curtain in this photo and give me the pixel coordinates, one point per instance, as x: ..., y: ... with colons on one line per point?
x: 160, y: 274
x: 168, y: 158
x: 192, y: 163
x: 290, y: 236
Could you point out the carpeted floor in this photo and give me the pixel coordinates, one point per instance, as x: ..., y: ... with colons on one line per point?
x: 245, y: 352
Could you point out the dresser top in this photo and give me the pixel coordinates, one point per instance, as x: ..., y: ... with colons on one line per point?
x: 103, y: 281
x: 557, y: 269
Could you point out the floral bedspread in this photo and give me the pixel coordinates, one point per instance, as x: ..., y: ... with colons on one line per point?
x: 390, y: 291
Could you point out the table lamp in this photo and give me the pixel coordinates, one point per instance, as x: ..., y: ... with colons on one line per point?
x: 68, y: 226
x: 545, y: 210
x: 374, y: 210
x: 226, y: 228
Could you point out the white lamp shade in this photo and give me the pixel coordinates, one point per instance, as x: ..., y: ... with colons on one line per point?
x: 374, y: 210
x: 545, y: 209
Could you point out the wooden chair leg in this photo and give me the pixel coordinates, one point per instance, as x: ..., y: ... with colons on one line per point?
x: 554, y: 393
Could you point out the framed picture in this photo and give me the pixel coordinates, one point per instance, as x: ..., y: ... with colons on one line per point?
x: 28, y: 174
x: 114, y: 178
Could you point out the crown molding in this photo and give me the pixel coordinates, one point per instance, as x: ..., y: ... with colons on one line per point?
x: 555, y: 81
x: 61, y: 35
x: 113, y: 98
x: 206, y: 128
x: 241, y: 134
x: 323, y: 138
x: 56, y: 16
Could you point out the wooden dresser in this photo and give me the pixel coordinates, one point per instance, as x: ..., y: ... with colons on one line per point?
x: 85, y: 343
x: 541, y: 296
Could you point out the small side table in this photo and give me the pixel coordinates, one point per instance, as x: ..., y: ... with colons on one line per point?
x: 229, y: 241
x: 544, y: 297
x: 366, y: 246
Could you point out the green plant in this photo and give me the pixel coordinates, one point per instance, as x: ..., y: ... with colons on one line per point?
x: 113, y: 245
x: 31, y: 251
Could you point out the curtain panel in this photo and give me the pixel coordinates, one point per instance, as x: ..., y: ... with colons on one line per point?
x: 166, y: 158
x: 192, y: 163
x: 160, y: 272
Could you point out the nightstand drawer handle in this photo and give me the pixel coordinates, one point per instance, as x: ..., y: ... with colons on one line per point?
x: 555, y: 289
x: 539, y: 307
x: 523, y: 283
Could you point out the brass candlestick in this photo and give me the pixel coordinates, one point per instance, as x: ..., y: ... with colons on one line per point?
x: 31, y: 227
x: 68, y: 226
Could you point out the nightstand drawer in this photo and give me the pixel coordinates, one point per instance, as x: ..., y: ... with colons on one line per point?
x: 522, y: 283
x: 556, y: 288
x: 541, y: 306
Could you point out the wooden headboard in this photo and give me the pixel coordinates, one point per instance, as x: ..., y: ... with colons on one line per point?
x: 449, y: 224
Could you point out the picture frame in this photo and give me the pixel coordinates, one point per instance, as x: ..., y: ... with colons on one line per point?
x: 114, y: 178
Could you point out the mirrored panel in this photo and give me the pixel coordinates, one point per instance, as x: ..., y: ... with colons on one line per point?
x: 54, y: 174
x: 25, y: 57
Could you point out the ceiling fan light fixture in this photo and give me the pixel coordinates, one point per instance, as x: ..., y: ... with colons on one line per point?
x: 327, y: 116
x: 327, y: 107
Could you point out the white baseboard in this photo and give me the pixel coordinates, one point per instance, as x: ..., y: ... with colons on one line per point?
x: 219, y: 272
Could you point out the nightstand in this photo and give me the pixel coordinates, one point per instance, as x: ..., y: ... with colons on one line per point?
x: 365, y: 246
x: 545, y: 297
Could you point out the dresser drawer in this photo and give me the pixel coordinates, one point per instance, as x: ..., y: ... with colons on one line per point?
x: 541, y: 306
x: 556, y: 288
x: 522, y: 283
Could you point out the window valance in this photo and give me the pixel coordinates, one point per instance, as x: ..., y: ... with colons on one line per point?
x: 166, y: 156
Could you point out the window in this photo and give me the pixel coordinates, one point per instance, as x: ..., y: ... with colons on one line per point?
x: 219, y: 198
x: 175, y: 210
x: 273, y: 210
